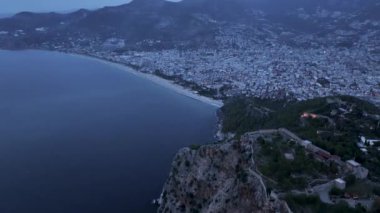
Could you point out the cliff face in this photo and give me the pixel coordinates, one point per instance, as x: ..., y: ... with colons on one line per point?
x: 216, y: 178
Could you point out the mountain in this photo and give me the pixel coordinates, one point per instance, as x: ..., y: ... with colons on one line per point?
x: 217, y: 178
x: 189, y: 23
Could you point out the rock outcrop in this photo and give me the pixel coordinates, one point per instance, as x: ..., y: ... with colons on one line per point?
x: 216, y: 178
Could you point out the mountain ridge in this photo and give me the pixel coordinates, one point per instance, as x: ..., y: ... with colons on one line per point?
x: 176, y: 23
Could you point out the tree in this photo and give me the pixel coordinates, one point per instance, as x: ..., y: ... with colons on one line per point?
x: 336, y: 192
x: 376, y: 205
x: 350, y: 180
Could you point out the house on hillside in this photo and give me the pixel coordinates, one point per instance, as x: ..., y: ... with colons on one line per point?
x: 340, y: 183
x: 356, y: 169
x: 364, y: 142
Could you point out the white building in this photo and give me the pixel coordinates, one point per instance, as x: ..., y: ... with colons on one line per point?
x: 41, y: 29
x: 340, y: 183
x: 364, y: 150
x: 289, y: 156
x: 367, y: 142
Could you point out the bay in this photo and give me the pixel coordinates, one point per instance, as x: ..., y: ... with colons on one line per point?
x: 78, y: 135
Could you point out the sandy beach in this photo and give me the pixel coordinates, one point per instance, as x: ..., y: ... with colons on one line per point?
x: 160, y: 81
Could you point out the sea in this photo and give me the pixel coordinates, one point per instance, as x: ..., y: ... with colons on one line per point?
x: 80, y: 136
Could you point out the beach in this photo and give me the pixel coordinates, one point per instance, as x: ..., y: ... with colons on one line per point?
x: 157, y: 80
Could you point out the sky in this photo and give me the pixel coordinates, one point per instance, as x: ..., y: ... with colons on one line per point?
x: 14, y: 6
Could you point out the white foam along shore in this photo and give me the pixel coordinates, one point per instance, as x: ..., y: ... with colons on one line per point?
x: 158, y: 80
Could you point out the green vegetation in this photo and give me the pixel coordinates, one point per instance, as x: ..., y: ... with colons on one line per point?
x: 372, y: 163
x: 336, y: 128
x: 242, y: 114
x: 332, y: 123
x: 194, y: 146
x: 302, y: 203
x: 336, y: 192
x: 289, y: 174
x: 350, y: 180
x: 376, y: 205
x: 361, y: 189
x: 376, y: 190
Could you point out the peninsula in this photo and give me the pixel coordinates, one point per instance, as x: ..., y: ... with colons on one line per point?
x: 328, y: 161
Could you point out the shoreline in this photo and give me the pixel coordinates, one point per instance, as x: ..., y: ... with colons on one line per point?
x: 155, y: 79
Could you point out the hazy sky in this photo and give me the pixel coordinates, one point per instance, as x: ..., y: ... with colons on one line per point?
x: 13, y: 6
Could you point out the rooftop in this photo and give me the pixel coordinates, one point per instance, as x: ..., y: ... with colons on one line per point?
x: 353, y: 163
x: 340, y: 180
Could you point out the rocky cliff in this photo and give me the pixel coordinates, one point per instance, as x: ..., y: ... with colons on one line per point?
x: 216, y: 178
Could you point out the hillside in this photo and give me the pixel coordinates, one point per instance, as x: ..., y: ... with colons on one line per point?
x: 190, y: 23
x: 265, y: 164
x: 332, y: 123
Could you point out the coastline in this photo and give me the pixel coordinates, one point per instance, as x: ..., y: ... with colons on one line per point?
x: 218, y: 104
x: 155, y: 79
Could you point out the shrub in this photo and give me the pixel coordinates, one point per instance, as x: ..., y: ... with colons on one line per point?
x: 194, y: 146
x: 350, y: 180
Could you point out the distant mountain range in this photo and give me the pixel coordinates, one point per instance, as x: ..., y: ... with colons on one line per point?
x: 187, y: 23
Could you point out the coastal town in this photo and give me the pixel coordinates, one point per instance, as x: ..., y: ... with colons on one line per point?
x: 266, y: 70
x: 264, y: 60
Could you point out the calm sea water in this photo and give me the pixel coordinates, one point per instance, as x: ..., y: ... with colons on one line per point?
x: 79, y: 136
